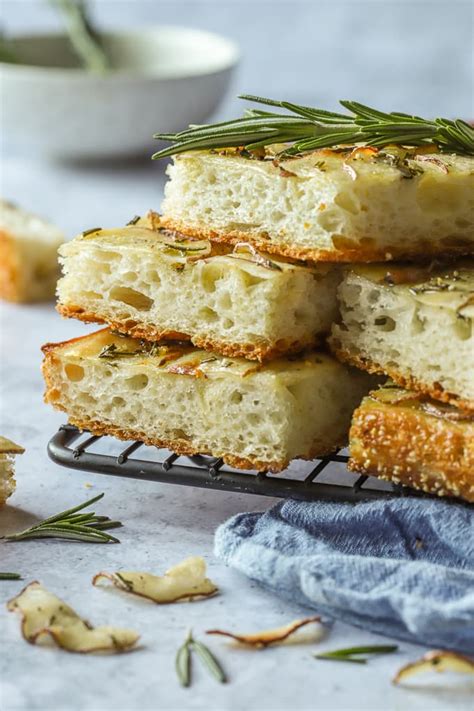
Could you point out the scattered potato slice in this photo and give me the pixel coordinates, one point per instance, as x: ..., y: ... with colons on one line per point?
x: 45, y: 614
x: 184, y: 582
x: 266, y: 637
x: 436, y: 660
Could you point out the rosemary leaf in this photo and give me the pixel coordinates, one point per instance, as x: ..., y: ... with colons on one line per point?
x: 69, y: 524
x: 351, y: 654
x: 85, y: 40
x: 7, y: 53
x: 306, y: 129
x: 183, y: 662
x: 329, y: 657
x: 66, y: 514
x: 10, y: 576
x: 208, y: 659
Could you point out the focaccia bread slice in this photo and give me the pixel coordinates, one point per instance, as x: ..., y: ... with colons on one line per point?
x: 254, y: 416
x: 151, y: 283
x: 8, y: 451
x: 28, y: 255
x: 410, y: 439
x: 415, y: 324
x: 338, y: 205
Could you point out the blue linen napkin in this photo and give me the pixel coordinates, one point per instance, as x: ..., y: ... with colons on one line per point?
x: 400, y: 567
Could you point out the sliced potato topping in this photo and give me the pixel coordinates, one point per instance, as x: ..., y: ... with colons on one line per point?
x: 267, y: 637
x: 436, y: 660
x: 184, y: 582
x: 44, y: 614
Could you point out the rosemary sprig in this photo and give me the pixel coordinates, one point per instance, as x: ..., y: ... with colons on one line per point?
x: 86, y: 527
x: 10, y: 576
x: 7, y: 53
x: 352, y: 654
x: 84, y: 39
x: 183, y: 661
x: 307, y: 128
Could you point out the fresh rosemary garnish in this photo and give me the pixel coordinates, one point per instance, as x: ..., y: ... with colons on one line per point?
x: 133, y: 221
x: 10, y: 576
x: 353, y: 654
x: 84, y: 39
x: 149, y: 348
x: 184, y: 248
x: 7, y: 53
x: 85, y: 527
x: 309, y: 128
x: 92, y: 230
x: 111, y: 351
x: 183, y: 661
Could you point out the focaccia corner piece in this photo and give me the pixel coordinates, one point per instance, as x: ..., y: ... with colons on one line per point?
x: 155, y: 284
x: 8, y: 451
x: 254, y: 416
x: 410, y: 439
x: 337, y: 205
x: 28, y: 255
x: 414, y: 324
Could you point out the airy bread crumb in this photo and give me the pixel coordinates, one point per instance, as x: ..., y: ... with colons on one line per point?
x: 332, y: 205
x: 253, y: 416
x: 415, y: 324
x: 28, y: 255
x: 153, y: 284
x: 8, y: 451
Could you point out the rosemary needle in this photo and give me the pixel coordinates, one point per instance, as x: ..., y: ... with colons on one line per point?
x: 351, y: 654
x: 305, y: 128
x: 183, y: 661
x: 206, y: 656
x: 10, y: 576
x: 69, y: 524
x: 85, y: 41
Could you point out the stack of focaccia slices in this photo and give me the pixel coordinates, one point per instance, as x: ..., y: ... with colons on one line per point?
x: 246, y: 322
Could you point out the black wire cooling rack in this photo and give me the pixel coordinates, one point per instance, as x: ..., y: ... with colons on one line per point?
x: 323, y: 479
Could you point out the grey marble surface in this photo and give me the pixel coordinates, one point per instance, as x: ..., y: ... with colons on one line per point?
x: 415, y: 53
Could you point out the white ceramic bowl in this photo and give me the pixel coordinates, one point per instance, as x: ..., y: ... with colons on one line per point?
x: 164, y: 78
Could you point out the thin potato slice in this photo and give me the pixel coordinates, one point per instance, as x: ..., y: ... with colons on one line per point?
x: 437, y: 660
x: 266, y: 637
x: 45, y: 614
x: 184, y: 582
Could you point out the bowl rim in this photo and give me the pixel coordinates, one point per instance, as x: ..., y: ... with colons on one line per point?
x: 230, y: 45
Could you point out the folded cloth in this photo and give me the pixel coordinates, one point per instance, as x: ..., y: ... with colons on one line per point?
x: 400, y: 567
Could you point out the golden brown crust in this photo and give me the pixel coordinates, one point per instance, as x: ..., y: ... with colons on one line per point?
x: 263, y: 351
x: 362, y: 250
x: 180, y: 446
x: 410, y: 447
x: 434, y: 390
x: 10, y: 274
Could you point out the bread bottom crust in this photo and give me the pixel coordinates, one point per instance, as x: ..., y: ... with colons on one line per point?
x: 262, y: 351
x: 184, y: 447
x: 364, y: 250
x: 413, y: 449
x: 434, y: 390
